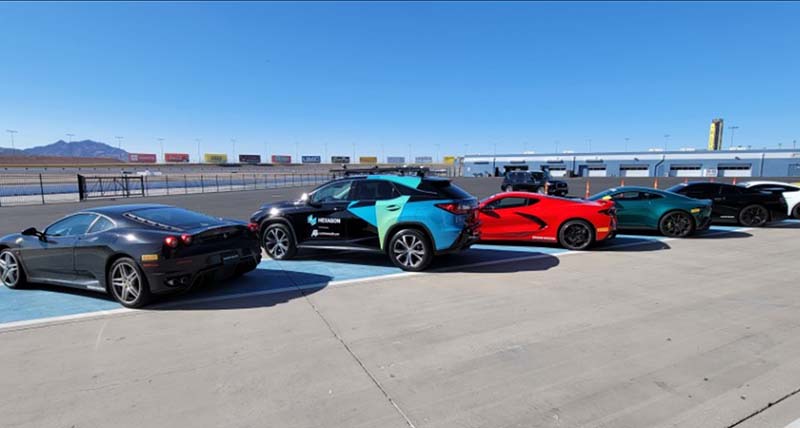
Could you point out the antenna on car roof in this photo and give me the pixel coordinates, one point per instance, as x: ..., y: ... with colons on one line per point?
x: 419, y: 171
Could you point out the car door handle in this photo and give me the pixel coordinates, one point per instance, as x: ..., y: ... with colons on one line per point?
x: 392, y: 207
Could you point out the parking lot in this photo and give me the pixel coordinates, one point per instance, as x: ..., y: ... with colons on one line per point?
x: 642, y: 331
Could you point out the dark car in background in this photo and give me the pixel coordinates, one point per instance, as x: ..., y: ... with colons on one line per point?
x: 409, y: 218
x: 131, y: 252
x: 736, y: 204
x: 533, y: 181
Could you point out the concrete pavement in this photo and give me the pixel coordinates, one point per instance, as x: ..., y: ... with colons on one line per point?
x: 702, y: 333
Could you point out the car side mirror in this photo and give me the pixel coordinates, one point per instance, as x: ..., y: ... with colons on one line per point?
x: 31, y: 231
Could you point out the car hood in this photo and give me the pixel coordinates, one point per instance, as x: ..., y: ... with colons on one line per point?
x: 284, y: 206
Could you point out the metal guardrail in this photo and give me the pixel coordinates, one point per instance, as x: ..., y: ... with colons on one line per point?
x: 37, y: 189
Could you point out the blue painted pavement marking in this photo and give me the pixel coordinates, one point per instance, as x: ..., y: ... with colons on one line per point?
x: 312, y: 270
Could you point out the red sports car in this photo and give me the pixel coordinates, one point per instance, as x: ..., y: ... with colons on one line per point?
x: 531, y: 217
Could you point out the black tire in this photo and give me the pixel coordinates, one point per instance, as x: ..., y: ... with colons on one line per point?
x: 278, y: 242
x: 245, y: 269
x: 796, y: 211
x: 410, y: 250
x: 12, y: 274
x: 576, y: 235
x: 503, y: 188
x: 676, y: 224
x: 127, y: 283
x: 753, y: 216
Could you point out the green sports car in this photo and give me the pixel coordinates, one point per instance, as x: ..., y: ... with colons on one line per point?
x: 671, y: 214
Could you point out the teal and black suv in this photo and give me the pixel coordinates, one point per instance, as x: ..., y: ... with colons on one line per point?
x: 410, y: 218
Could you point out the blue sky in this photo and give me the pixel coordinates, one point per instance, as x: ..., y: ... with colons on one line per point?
x: 399, y: 78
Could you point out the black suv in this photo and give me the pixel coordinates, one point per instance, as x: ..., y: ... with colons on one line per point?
x: 410, y: 219
x: 533, y: 181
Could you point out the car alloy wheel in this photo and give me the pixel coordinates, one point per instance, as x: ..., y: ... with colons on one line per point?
x: 278, y: 242
x: 796, y: 211
x: 576, y: 235
x: 410, y: 250
x: 753, y: 216
x: 126, y: 283
x: 9, y: 269
x: 676, y: 225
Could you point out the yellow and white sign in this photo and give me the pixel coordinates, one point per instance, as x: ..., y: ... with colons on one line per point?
x: 215, y: 158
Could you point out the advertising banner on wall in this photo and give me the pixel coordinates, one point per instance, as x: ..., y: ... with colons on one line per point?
x: 176, y: 157
x: 215, y: 158
x: 250, y: 159
x: 449, y: 160
x: 141, y: 158
x: 368, y: 159
x: 281, y: 159
x: 340, y: 159
x: 311, y: 159
x: 395, y: 159
x: 423, y: 159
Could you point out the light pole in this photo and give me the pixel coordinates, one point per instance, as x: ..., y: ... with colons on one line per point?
x: 233, y: 145
x: 297, y: 151
x: 383, y: 153
x: 557, y: 146
x: 666, y: 141
x: 69, y: 137
x: 11, y: 132
x: 589, y: 144
x: 626, y: 143
x: 354, y: 153
x: 119, y: 142
x: 732, y: 129
x: 197, y: 140
x: 266, y: 152
x: 161, y: 145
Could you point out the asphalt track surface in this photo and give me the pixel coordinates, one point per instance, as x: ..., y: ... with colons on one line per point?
x: 640, y: 332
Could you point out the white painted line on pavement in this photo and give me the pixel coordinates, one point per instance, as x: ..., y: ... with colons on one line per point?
x: 16, y: 325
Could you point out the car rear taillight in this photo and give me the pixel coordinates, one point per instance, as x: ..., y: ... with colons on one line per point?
x: 608, y: 212
x: 456, y: 207
x: 186, y: 239
x: 253, y: 227
x: 171, y: 242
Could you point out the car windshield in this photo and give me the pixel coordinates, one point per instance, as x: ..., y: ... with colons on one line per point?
x: 173, y: 217
x: 601, y: 195
x: 676, y: 188
x: 334, y: 192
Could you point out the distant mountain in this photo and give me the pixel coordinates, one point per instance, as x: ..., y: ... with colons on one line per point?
x: 10, y: 152
x: 76, y: 149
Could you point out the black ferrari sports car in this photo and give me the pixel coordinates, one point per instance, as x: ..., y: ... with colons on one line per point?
x: 736, y: 204
x: 130, y: 251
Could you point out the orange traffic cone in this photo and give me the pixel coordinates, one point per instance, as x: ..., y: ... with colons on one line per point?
x: 655, y: 183
x: 587, y: 188
x: 621, y: 182
x: 734, y: 180
x: 686, y: 180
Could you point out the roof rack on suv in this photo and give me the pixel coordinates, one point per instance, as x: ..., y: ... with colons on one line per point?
x: 419, y: 171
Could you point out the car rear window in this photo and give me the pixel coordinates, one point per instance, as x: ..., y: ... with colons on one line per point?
x: 444, y: 189
x: 173, y: 217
